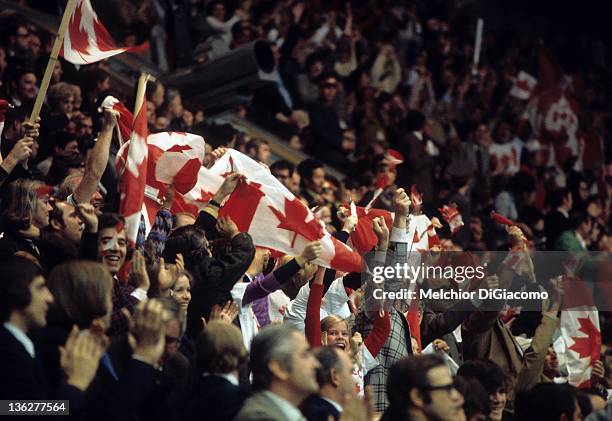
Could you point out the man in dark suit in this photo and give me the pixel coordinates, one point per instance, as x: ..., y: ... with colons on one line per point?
x: 335, y: 379
x: 557, y: 219
x: 220, y: 353
x: 284, y: 375
x: 24, y: 301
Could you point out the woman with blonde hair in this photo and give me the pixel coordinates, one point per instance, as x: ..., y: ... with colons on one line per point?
x: 335, y: 331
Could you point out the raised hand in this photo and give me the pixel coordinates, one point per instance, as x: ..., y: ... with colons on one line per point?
x: 31, y: 130
x: 110, y: 118
x: 21, y: 151
x: 401, y: 202
x: 165, y: 277
x: 138, y: 272
x: 311, y: 252
x: 228, y: 186
x: 146, y: 333
x: 227, y: 227
x: 228, y: 313
x: 79, y: 358
x: 382, y: 232
x: 87, y: 212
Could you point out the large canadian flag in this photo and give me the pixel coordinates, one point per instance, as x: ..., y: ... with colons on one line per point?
x: 134, y: 176
x: 87, y: 41
x: 580, y: 332
x: 274, y: 217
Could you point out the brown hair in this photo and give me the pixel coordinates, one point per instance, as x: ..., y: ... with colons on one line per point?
x: 19, y: 204
x: 58, y: 92
x: 220, y: 349
x: 81, y: 290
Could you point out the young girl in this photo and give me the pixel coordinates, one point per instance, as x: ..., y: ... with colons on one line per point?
x: 334, y: 330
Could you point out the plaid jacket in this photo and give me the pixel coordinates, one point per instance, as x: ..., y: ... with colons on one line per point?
x: 398, y: 344
x: 395, y: 348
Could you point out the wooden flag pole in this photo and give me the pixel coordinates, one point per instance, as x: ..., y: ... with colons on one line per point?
x: 140, y: 92
x: 59, y: 39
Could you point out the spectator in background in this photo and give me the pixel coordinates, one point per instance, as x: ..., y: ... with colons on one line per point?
x: 220, y: 354
x: 557, y: 218
x: 549, y: 402
x: 286, y: 173
x: 334, y: 376
x: 422, y: 388
x: 325, y: 125
x: 23, y: 86
x: 494, y: 381
x: 64, y: 145
x: 259, y: 150
x: 312, y: 179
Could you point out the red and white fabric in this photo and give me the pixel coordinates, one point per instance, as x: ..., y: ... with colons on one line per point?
x: 134, y: 176
x: 4, y: 106
x: 552, y: 112
x: 125, y: 119
x: 523, y: 85
x: 452, y: 217
x: 87, y: 41
x: 174, y: 158
x: 274, y: 217
x: 580, y: 332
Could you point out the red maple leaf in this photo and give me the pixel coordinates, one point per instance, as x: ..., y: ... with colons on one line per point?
x: 294, y: 220
x: 590, y: 345
x: 79, y: 38
x: 179, y: 148
x: 231, y: 171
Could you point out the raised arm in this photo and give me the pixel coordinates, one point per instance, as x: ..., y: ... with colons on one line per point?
x: 313, y: 310
x: 96, y: 164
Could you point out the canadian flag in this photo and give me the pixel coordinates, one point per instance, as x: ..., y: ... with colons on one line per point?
x: 274, y: 217
x: 134, y: 176
x: 523, y: 85
x: 580, y: 331
x: 87, y: 41
x: 174, y: 158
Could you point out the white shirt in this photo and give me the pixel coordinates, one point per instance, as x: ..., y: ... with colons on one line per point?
x: 290, y: 412
x: 248, y: 322
x: 21, y: 337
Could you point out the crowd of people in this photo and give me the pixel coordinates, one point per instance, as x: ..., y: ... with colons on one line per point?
x: 205, y: 325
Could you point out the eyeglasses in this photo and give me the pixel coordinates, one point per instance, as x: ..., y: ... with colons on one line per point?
x: 447, y: 387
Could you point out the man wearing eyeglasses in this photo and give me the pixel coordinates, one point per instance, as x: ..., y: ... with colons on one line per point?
x: 421, y: 388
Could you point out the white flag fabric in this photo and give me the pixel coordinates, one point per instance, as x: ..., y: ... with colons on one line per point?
x: 580, y: 331
x: 87, y: 41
